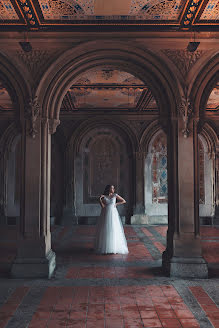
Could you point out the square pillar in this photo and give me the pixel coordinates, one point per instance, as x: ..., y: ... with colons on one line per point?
x: 35, y: 258
x: 139, y: 216
x: 183, y: 256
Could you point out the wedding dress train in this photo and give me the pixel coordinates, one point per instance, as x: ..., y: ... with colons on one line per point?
x: 110, y: 237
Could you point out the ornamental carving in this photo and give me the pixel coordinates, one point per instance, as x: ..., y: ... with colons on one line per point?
x: 53, y: 125
x: 185, y: 109
x: 183, y: 59
x: 35, y: 60
x: 32, y: 111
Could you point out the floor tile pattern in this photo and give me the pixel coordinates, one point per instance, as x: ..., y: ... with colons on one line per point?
x: 115, y: 291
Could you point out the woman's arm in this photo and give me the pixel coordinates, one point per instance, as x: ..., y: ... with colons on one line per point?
x: 101, y: 201
x: 121, y: 200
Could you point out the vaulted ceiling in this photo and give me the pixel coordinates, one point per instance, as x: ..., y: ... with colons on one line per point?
x: 108, y: 88
x: 37, y: 14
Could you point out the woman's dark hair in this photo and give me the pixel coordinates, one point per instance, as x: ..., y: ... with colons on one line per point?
x: 107, y: 190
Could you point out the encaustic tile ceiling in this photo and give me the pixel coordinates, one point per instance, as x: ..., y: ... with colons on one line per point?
x: 108, y: 88
x: 42, y: 13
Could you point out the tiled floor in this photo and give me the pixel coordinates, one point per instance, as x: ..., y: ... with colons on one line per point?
x: 115, y: 291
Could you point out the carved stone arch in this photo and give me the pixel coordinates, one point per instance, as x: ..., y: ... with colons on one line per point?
x: 211, y: 139
x: 79, y: 154
x: 151, y: 130
x: 18, y: 89
x: 140, y: 62
x: 90, y: 124
x: 209, y: 72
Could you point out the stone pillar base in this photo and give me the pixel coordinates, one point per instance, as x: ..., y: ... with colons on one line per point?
x: 186, y: 267
x: 34, y: 267
x: 139, y: 219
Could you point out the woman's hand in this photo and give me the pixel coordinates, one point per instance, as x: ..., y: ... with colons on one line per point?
x: 121, y: 200
x: 101, y: 201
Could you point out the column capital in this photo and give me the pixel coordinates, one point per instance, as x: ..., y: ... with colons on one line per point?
x: 52, y: 124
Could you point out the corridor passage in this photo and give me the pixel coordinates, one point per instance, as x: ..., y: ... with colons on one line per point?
x: 113, y: 291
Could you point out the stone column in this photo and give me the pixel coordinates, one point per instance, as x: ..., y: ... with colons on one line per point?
x: 69, y: 217
x: 35, y: 258
x: 139, y: 216
x: 216, y: 217
x: 183, y: 256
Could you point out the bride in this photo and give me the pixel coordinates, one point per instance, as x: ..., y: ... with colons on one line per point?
x: 110, y: 237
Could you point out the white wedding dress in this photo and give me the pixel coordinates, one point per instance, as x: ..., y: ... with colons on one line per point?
x: 110, y: 237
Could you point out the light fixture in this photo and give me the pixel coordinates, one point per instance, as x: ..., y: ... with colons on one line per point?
x: 193, y: 45
x: 26, y: 45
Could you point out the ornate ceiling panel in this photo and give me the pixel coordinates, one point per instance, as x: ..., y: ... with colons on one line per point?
x: 211, y: 11
x: 108, y: 88
x: 5, y: 99
x: 7, y: 11
x: 65, y: 13
x: 111, y: 10
x: 213, y: 100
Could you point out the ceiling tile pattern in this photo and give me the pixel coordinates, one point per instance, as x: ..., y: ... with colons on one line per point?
x: 211, y: 11
x: 108, y: 88
x: 156, y: 9
x: 99, y: 10
x: 59, y: 13
x: 7, y: 11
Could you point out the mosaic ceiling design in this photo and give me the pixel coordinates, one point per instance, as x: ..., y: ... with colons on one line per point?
x: 108, y: 88
x: 7, y: 11
x: 113, y: 9
x: 213, y: 100
x: 211, y: 11
x: 5, y: 99
x: 37, y: 13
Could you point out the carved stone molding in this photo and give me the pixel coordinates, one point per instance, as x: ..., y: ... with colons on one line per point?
x: 53, y: 125
x: 183, y: 59
x: 32, y: 113
x: 185, y: 110
x: 36, y: 60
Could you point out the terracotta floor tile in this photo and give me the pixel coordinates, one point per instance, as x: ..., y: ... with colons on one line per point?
x: 171, y: 323
x: 36, y: 324
x: 183, y: 314
x: 114, y: 323
x: 95, y: 324
x: 56, y: 323
x: 166, y: 314
x: 75, y: 323
x: 149, y: 314
x: 189, y: 323
x: 152, y: 323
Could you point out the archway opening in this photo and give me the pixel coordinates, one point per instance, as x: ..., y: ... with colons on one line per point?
x: 208, y: 178
x: 103, y: 115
